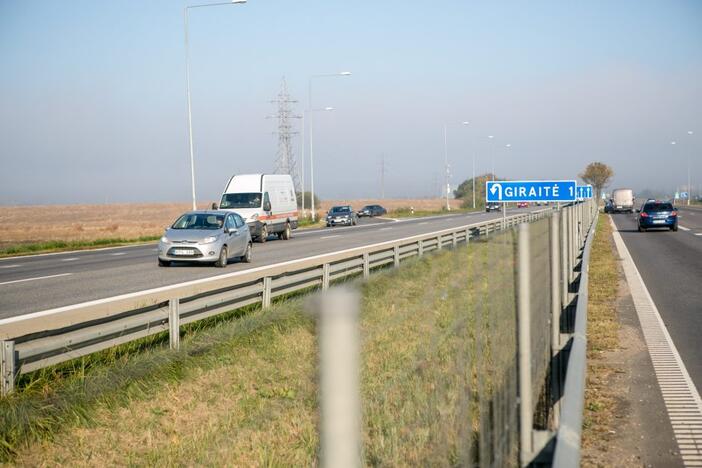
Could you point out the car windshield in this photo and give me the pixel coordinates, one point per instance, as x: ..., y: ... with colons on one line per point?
x: 658, y: 207
x: 241, y: 200
x: 340, y: 209
x: 199, y: 221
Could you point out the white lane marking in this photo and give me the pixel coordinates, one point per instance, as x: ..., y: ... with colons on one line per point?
x: 72, y: 259
x: 667, y: 363
x: 330, y: 237
x: 683, y: 228
x: 116, y: 254
x: 67, y: 252
x: 421, y: 224
x: 34, y: 279
x: 698, y: 233
x: 9, y: 266
x: 385, y: 229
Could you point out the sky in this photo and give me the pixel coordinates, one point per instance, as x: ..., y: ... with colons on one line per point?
x: 93, y: 102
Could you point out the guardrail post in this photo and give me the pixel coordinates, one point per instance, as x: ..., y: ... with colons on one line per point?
x: 325, y: 276
x: 366, y: 265
x: 340, y: 409
x: 420, y: 247
x: 467, y: 236
x: 454, y: 239
x: 8, y: 367
x: 555, y: 314
x: 396, y: 256
x: 174, y: 323
x: 524, y: 346
x: 438, y: 242
x: 267, y: 292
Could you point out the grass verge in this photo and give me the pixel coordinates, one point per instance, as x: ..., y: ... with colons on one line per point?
x: 602, y: 332
x: 244, y: 390
x: 60, y: 246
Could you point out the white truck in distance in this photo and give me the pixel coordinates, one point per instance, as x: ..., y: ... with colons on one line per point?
x: 622, y: 200
x: 267, y: 202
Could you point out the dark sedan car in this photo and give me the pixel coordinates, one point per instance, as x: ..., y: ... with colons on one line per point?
x: 657, y: 214
x: 372, y: 210
x: 493, y: 206
x: 341, y: 215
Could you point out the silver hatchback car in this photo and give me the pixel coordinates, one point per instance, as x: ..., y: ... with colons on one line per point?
x: 206, y: 237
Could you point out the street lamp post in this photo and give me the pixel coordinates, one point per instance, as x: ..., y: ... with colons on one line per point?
x: 448, y: 173
x: 466, y: 123
x: 492, y: 156
x: 309, y: 107
x: 187, y: 85
x: 689, y: 181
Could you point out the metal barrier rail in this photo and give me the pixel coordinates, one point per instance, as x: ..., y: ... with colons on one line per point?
x: 567, y: 450
x: 41, y: 339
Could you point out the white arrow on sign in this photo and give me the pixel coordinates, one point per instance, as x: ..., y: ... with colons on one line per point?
x: 495, y: 188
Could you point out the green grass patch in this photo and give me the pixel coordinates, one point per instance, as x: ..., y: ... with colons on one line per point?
x: 407, y: 212
x: 243, y: 390
x: 59, y: 246
x: 603, y: 336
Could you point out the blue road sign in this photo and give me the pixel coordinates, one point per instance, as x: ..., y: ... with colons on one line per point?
x: 530, y: 191
x: 584, y: 191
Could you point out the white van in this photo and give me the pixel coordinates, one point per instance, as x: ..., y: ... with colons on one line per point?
x: 266, y: 201
x: 622, y: 200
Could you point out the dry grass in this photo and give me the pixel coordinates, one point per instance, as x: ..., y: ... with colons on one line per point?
x: 250, y: 399
x: 602, y: 332
x: 21, y: 225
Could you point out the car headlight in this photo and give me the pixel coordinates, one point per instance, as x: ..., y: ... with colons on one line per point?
x: 164, y: 239
x: 209, y: 239
x: 254, y: 217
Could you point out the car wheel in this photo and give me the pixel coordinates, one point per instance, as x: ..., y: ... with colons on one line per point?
x: 641, y: 229
x: 163, y: 263
x: 674, y: 228
x: 263, y: 237
x: 287, y: 233
x: 353, y: 222
x: 246, y: 258
x: 328, y: 225
x: 223, y: 257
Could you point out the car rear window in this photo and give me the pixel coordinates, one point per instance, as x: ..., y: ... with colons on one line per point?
x: 658, y: 207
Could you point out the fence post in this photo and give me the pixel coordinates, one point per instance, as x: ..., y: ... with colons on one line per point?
x: 420, y: 247
x: 267, y: 293
x: 438, y: 242
x: 564, y: 257
x: 174, y: 323
x: 8, y: 367
x: 396, y: 256
x: 340, y: 408
x: 524, y: 346
x: 467, y: 236
x: 454, y: 238
x: 555, y: 314
x: 325, y: 276
x: 366, y: 265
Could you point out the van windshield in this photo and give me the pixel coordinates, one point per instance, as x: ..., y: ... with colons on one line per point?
x: 241, y: 200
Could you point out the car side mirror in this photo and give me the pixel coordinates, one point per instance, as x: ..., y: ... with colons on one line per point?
x: 226, y: 230
x: 214, y: 206
x: 266, y: 206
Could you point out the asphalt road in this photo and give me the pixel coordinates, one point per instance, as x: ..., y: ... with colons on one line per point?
x: 670, y: 264
x: 40, y: 282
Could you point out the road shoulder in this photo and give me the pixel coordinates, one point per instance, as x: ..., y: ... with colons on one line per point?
x: 626, y: 422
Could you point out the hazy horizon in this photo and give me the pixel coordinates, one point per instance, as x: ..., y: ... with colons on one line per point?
x: 94, y: 106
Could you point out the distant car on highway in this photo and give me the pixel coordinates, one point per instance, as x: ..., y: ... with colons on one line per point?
x: 343, y: 214
x: 522, y: 204
x: 206, y: 237
x: 372, y: 210
x: 493, y: 206
x: 657, y: 214
x: 609, y: 206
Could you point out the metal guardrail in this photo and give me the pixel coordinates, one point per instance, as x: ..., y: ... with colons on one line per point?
x: 567, y: 450
x: 41, y: 339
